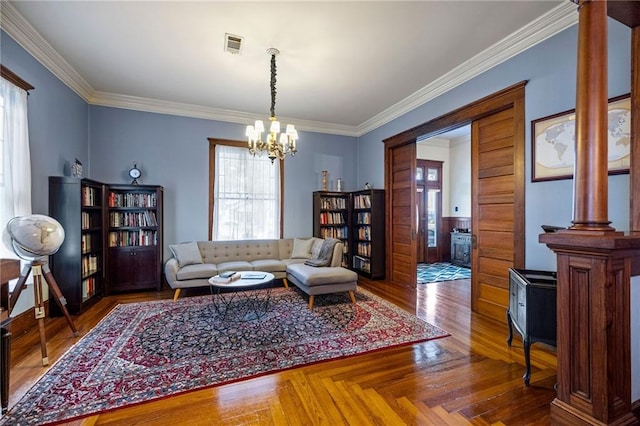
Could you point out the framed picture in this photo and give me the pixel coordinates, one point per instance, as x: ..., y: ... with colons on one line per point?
x: 553, y: 142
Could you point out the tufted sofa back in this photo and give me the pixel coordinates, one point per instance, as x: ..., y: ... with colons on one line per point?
x: 248, y: 250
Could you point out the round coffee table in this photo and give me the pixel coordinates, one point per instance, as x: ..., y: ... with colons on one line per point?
x: 231, y: 301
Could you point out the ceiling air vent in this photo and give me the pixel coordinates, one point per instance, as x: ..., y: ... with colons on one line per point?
x: 232, y: 43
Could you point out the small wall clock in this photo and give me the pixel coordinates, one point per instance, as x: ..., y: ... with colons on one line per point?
x: 134, y: 173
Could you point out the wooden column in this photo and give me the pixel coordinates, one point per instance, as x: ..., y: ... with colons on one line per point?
x: 594, y: 262
x: 634, y: 178
x: 591, y: 169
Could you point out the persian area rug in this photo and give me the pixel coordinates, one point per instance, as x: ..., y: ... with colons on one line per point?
x: 151, y: 350
x: 441, y: 271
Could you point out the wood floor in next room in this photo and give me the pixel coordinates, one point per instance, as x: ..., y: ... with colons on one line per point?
x: 471, y: 377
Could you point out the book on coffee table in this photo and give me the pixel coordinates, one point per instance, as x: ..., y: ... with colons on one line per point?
x: 253, y: 276
x: 227, y: 277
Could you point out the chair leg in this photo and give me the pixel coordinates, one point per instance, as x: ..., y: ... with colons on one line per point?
x: 352, y: 296
x: 285, y: 282
x: 311, y: 297
x: 176, y: 294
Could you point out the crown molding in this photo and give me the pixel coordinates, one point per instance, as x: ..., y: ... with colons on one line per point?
x: 210, y: 113
x: 558, y: 19
x: 14, y: 24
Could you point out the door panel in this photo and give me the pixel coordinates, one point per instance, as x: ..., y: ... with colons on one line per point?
x: 498, y: 203
x: 403, y: 216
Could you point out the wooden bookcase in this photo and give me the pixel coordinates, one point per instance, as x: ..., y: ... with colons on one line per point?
x: 367, y: 233
x: 134, y: 237
x: 331, y: 218
x: 78, y: 266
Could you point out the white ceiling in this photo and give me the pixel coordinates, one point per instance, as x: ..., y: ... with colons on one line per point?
x: 344, y: 67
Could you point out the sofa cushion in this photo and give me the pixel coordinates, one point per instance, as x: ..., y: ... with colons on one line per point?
x: 201, y: 270
x: 288, y: 262
x: 301, y: 248
x: 310, y: 275
x: 236, y: 265
x: 268, y: 265
x: 186, y: 253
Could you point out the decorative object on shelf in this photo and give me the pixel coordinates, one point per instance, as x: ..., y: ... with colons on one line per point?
x: 367, y: 185
x: 33, y: 238
x: 76, y: 169
x: 277, y: 145
x: 339, y: 184
x: 135, y: 173
x: 324, y: 180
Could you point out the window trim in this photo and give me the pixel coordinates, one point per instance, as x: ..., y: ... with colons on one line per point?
x: 13, y: 78
x: 212, y: 179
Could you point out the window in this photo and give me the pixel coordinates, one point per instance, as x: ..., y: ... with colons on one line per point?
x: 15, y: 164
x: 245, y: 193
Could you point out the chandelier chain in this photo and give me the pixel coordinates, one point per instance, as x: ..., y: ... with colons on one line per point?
x: 273, y: 86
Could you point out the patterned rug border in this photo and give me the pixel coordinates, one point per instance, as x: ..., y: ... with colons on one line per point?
x: 359, y: 294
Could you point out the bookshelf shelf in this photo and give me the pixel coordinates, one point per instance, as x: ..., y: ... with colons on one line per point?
x: 368, y: 241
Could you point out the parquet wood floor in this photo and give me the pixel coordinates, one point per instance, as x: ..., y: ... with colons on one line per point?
x: 471, y: 377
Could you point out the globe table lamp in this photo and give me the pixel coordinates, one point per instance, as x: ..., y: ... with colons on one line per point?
x: 33, y: 238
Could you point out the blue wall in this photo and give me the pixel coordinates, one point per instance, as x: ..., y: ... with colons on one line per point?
x: 173, y: 151
x: 550, y: 69
x: 58, y: 121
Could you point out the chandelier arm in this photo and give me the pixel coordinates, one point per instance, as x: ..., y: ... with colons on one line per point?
x: 273, y: 86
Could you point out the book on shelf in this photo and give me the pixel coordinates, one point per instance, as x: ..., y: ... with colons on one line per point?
x: 227, y: 277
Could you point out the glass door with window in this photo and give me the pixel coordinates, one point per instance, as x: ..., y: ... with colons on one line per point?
x: 429, y: 199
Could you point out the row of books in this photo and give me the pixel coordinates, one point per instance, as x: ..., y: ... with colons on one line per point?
x: 143, y: 218
x: 85, y: 221
x: 87, y: 242
x: 340, y: 233
x: 133, y: 238
x: 329, y: 218
x: 88, y: 288
x: 89, y: 264
x: 138, y: 199
x: 362, y: 201
x: 364, y: 233
x: 90, y: 196
x: 361, y: 264
x: 363, y: 218
x: 333, y: 203
x: 364, y: 249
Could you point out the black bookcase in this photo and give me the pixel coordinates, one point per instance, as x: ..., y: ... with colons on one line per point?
x: 367, y: 233
x: 78, y: 266
x: 133, y: 237
x: 331, y: 218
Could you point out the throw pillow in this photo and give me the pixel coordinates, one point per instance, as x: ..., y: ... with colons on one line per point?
x: 186, y: 253
x: 315, y: 247
x: 301, y: 248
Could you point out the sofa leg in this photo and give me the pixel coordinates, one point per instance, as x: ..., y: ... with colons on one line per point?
x: 311, y: 297
x: 286, y: 284
x: 352, y: 296
x: 176, y: 294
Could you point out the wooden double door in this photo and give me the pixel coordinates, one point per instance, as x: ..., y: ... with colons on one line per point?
x: 497, y: 225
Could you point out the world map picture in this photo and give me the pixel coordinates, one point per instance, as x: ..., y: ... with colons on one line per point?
x: 554, y: 147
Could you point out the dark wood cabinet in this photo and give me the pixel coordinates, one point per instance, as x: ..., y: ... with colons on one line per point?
x: 78, y: 204
x: 134, y: 237
x: 532, y: 309
x: 461, y: 249
x: 367, y: 236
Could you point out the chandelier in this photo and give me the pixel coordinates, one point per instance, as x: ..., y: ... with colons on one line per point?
x: 276, y: 145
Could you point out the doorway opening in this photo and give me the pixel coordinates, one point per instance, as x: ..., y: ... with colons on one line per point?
x: 443, y: 197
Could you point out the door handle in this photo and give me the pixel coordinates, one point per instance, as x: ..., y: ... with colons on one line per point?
x: 413, y: 234
x: 474, y: 241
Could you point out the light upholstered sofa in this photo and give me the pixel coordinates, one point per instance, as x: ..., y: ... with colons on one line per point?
x: 194, y: 263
